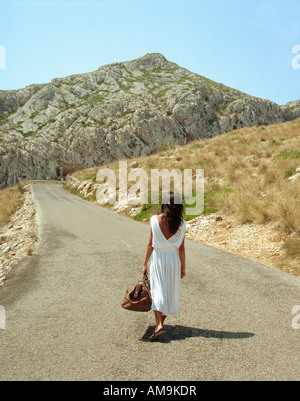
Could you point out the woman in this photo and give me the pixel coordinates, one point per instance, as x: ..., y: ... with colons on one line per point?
x: 167, y: 265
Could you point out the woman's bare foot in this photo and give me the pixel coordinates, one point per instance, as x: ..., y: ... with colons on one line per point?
x: 157, y: 334
x: 159, y: 327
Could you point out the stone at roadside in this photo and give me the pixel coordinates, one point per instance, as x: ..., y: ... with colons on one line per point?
x: 16, y: 237
x: 296, y: 176
x: 133, y: 164
x: 7, y: 249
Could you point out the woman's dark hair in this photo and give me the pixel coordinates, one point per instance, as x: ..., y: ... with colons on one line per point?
x: 172, y: 209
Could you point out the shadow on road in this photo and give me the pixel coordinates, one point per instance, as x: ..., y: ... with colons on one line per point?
x: 175, y: 333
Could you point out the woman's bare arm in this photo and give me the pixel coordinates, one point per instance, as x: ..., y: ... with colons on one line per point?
x: 182, y: 258
x: 149, y: 250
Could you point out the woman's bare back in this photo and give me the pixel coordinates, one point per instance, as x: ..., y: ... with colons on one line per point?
x: 163, y: 226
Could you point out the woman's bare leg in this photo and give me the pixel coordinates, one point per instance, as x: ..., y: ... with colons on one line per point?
x: 159, y: 320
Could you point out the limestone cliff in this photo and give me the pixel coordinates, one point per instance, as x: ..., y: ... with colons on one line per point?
x: 121, y: 110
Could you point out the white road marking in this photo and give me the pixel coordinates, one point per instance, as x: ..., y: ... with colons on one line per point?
x: 126, y: 243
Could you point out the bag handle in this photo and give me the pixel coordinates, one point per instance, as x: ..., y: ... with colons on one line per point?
x: 146, y: 285
x: 137, y: 290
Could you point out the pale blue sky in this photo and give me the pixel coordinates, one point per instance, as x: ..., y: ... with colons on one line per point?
x: 245, y: 44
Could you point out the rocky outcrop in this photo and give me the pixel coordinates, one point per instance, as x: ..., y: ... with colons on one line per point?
x: 122, y: 110
x: 295, y: 176
x: 18, y: 239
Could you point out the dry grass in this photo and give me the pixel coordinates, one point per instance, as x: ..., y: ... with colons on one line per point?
x: 292, y: 246
x: 10, y: 200
x: 246, y: 174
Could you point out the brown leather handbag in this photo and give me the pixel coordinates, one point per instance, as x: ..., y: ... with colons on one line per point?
x: 138, y: 298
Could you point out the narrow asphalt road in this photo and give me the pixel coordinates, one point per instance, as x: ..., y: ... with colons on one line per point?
x: 64, y: 319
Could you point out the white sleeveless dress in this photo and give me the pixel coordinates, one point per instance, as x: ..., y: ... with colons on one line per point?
x: 165, y: 269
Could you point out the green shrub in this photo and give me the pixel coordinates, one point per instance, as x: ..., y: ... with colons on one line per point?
x: 293, y: 154
x: 196, y: 146
x: 289, y: 173
x: 149, y: 209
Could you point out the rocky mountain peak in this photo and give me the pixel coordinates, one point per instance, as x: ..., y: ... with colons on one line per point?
x: 151, y: 60
x: 121, y: 110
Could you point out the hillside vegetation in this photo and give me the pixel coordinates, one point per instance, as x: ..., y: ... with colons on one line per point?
x: 10, y: 200
x: 250, y: 175
x: 128, y: 109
